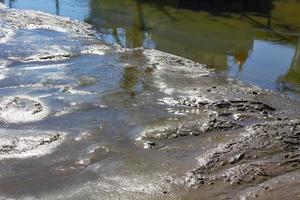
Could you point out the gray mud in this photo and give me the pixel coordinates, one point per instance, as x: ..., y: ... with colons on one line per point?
x: 83, y: 120
x: 21, y: 109
x: 13, y: 146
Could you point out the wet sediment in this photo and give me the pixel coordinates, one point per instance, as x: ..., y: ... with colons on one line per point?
x: 266, y: 143
x: 13, y: 146
x: 133, y: 123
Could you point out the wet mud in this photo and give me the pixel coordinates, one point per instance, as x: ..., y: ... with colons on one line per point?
x: 84, y: 120
x: 13, y: 146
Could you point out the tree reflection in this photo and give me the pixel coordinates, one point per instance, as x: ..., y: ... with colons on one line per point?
x: 10, y: 3
x: 207, y: 31
x: 293, y: 74
x: 57, y: 7
x: 131, y: 77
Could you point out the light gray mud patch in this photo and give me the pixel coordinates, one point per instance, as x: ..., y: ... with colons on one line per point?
x: 22, y: 109
x: 6, y: 33
x: 15, y: 23
x: 36, y: 20
x: 4, y: 63
x: 18, y: 144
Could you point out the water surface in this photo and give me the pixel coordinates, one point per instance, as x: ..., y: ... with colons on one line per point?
x: 256, y: 41
x: 131, y: 124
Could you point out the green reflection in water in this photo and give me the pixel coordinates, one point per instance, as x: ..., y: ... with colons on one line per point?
x: 219, y: 33
x: 130, y: 79
x: 293, y: 74
x: 205, y: 31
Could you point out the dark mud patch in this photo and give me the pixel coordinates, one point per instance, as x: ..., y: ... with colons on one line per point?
x: 50, y: 57
x: 212, y: 116
x: 279, y: 187
x: 262, y: 152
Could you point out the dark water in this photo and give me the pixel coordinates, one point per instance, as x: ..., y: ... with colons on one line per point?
x: 256, y: 41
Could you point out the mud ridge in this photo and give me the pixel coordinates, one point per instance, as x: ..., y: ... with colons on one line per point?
x: 22, y: 109
x: 22, y: 19
x: 26, y: 145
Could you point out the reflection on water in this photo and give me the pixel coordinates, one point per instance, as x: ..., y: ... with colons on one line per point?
x: 255, y: 40
x: 258, y: 6
x: 76, y: 9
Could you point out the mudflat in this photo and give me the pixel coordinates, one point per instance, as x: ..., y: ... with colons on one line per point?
x: 84, y: 120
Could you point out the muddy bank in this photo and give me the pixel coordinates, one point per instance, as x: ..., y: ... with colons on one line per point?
x: 264, y: 127
x: 132, y: 123
x: 36, y: 20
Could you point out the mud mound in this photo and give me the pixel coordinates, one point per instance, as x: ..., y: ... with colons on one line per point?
x: 185, y: 129
x: 171, y: 62
x: 27, y: 144
x: 49, y: 57
x: 36, y: 20
x: 4, y: 63
x: 216, y: 116
x: 5, y: 33
x: 22, y: 109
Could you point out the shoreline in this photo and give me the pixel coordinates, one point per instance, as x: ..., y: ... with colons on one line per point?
x: 196, y: 131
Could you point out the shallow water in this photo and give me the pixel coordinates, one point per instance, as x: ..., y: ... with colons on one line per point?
x: 71, y: 111
x: 83, y: 120
x: 257, y: 42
